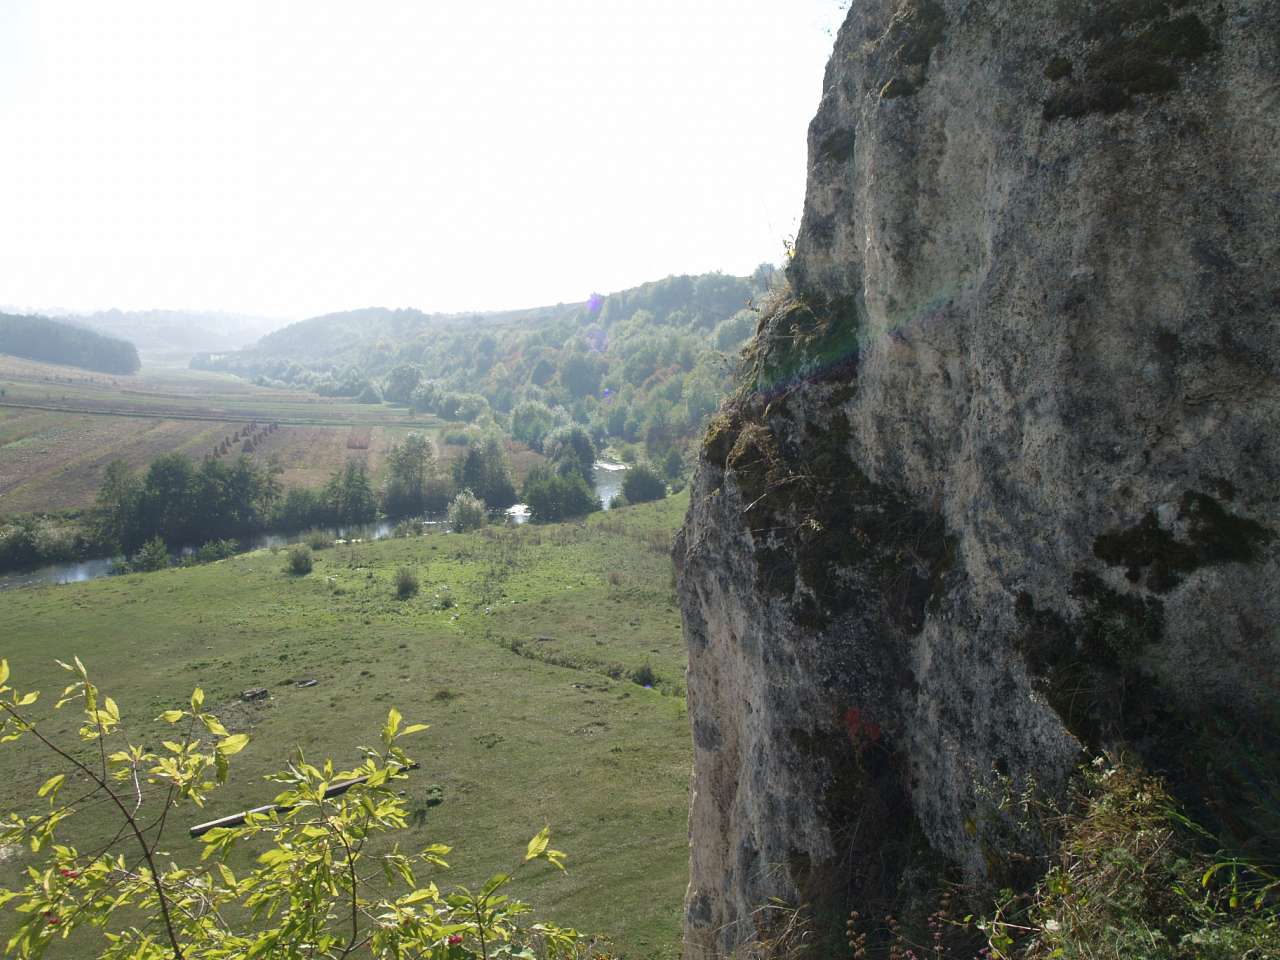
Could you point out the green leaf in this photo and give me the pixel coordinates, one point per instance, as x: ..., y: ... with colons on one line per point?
x: 232, y: 744
x: 4, y: 670
x: 171, y: 716
x: 274, y: 856
x: 264, y: 943
x: 494, y: 883
x: 414, y: 728
x: 52, y: 784
x: 29, y: 698
x: 538, y: 844
x: 393, y: 724
x: 197, y: 698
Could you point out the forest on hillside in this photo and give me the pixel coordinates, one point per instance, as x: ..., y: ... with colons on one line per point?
x: 643, y: 367
x: 39, y: 338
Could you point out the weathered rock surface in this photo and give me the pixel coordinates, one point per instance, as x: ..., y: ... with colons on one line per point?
x: 1004, y: 480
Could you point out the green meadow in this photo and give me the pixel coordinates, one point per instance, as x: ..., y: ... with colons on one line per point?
x: 547, y: 660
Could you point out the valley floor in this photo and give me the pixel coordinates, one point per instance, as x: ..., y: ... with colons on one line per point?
x: 548, y: 661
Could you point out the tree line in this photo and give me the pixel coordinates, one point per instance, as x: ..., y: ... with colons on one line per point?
x: 177, y: 503
x: 39, y: 338
x: 181, y: 502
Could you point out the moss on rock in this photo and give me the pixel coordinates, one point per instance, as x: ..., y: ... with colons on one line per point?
x: 1137, y: 49
x: 1213, y: 536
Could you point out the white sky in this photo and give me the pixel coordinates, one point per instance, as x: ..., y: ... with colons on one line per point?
x: 295, y: 158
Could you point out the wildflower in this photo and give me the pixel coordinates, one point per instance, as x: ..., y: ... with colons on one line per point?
x: 455, y: 939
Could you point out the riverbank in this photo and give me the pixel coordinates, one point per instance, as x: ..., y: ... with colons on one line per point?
x: 78, y: 569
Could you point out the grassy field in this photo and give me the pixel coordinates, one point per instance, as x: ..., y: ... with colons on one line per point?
x: 528, y: 679
x: 60, y: 427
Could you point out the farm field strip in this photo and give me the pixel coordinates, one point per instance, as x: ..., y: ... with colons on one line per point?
x: 52, y: 462
x: 174, y: 394
x: 229, y: 412
x: 61, y: 466
x: 60, y: 427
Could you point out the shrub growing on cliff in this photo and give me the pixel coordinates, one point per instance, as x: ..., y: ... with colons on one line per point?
x: 308, y: 893
x: 1134, y: 877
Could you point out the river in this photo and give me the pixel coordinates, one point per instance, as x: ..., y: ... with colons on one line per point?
x: 608, y: 485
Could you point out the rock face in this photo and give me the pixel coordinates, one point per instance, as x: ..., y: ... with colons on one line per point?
x: 1003, y: 481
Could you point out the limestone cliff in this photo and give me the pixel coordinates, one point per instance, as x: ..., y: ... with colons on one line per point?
x: 1003, y: 480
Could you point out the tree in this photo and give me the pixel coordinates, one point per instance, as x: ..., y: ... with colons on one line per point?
x: 167, y: 502
x: 467, y: 512
x: 468, y: 470
x: 118, y: 505
x: 471, y: 407
x: 425, y: 397
x: 401, y: 382
x: 553, y: 496
x: 496, y: 487
x: 642, y: 484
x: 542, y: 372
x: 348, y: 496
x: 300, y: 508
x: 581, y: 373
x: 154, y: 555
x: 409, y: 464
x: 19, y: 544
x: 729, y: 333
x: 483, y: 470
x: 571, y: 450
x: 531, y: 421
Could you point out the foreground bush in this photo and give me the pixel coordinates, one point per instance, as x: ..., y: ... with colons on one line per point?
x: 308, y: 896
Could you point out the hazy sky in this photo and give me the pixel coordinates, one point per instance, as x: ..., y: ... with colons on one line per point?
x: 293, y: 158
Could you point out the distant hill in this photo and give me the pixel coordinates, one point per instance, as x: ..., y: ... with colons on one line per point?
x: 641, y: 366
x: 39, y: 338
x: 177, y: 331
x: 357, y: 337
